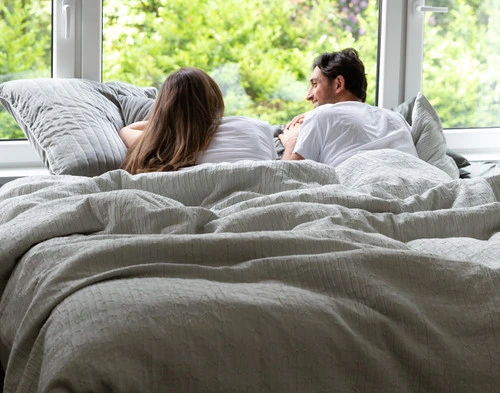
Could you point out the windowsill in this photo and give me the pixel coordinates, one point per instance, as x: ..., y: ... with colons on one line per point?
x: 476, y: 144
x: 480, y: 156
x: 19, y: 159
x: 9, y: 174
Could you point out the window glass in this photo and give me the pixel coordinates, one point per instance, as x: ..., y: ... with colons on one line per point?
x: 461, y: 74
x: 25, y: 48
x: 260, y: 52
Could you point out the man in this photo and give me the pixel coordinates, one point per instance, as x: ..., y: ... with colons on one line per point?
x: 341, y: 123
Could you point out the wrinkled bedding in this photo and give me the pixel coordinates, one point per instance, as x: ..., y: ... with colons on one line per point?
x: 380, y: 275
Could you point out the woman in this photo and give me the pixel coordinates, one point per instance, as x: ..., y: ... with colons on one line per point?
x: 186, y: 128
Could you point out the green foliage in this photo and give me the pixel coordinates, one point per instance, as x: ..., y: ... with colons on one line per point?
x: 260, y: 52
x: 461, y: 74
x: 24, y: 49
x: 25, y: 44
x: 9, y: 128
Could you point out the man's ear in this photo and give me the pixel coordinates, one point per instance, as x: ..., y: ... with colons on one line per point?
x: 339, y: 84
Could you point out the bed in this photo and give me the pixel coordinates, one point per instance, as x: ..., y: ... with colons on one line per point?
x: 379, y: 275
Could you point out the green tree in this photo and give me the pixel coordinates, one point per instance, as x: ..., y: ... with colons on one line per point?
x: 259, y: 51
x: 460, y: 69
x: 24, y: 49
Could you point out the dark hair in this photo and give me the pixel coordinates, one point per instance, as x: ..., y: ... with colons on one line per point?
x: 346, y: 63
x: 183, y: 120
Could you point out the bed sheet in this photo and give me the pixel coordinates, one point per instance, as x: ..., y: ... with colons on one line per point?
x: 379, y: 275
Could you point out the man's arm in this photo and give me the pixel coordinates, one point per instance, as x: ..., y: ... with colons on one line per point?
x: 289, y: 138
x: 131, y: 133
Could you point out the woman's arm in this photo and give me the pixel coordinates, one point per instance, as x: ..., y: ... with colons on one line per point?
x: 289, y: 138
x: 129, y: 134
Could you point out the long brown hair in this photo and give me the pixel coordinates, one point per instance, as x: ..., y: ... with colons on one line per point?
x: 185, y: 116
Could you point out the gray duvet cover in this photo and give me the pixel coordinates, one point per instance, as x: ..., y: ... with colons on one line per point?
x: 381, y: 275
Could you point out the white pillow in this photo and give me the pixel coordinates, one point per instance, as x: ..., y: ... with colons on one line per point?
x: 429, y: 139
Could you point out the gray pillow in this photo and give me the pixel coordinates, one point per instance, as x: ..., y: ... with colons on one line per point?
x: 460, y: 160
x: 428, y: 136
x: 73, y: 124
x: 135, y: 108
x: 406, y: 109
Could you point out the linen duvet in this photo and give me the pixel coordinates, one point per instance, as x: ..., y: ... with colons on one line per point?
x: 380, y: 275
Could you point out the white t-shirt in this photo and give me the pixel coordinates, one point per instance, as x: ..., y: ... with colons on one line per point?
x: 331, y: 133
x: 240, y: 138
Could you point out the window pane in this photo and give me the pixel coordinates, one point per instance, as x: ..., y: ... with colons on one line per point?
x: 25, y: 48
x: 461, y: 74
x: 260, y: 52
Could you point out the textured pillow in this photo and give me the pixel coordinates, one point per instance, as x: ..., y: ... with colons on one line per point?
x: 428, y: 137
x: 73, y: 124
x: 135, y: 108
x: 406, y: 109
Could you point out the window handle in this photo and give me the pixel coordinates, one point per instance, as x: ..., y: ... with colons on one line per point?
x: 66, y: 10
x: 428, y: 8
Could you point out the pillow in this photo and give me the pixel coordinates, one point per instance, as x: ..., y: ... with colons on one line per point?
x: 73, y: 124
x: 406, y: 109
x: 277, y: 130
x: 135, y: 108
x: 428, y: 136
x: 462, y: 163
x: 460, y: 160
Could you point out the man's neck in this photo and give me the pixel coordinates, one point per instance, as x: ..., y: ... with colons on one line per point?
x: 346, y: 95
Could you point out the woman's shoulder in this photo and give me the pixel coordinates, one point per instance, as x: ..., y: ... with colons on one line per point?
x: 243, y: 120
x: 244, y: 123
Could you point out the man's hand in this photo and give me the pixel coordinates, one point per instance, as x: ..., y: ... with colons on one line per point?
x: 297, y: 120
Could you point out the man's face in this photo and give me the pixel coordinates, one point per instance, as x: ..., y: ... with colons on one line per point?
x: 322, y: 90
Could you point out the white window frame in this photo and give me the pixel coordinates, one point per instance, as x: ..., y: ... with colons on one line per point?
x: 77, y: 53
x: 77, y: 39
x: 401, y: 80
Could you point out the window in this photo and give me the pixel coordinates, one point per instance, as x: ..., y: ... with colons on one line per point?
x: 461, y: 55
x: 25, y: 48
x: 260, y: 53
x: 452, y: 58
